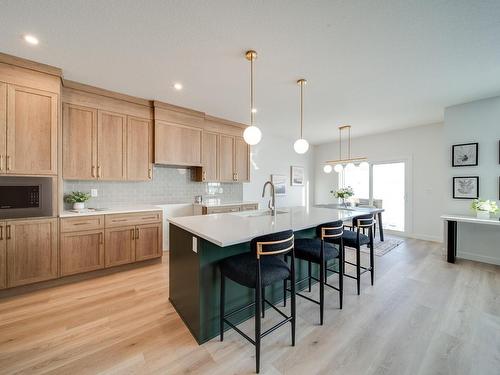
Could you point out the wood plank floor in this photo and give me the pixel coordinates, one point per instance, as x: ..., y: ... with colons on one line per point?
x: 423, y: 316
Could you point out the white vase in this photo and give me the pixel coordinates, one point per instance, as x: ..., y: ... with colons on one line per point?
x: 78, y: 206
x: 482, y: 214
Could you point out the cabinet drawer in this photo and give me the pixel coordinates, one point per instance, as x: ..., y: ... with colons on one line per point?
x: 222, y: 210
x: 120, y: 220
x: 73, y: 224
x: 249, y: 207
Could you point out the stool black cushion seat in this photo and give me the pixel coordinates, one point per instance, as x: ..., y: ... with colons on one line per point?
x: 350, y: 238
x: 242, y: 268
x: 309, y: 249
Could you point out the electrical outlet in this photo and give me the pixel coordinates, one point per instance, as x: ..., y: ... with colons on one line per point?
x: 93, y: 193
x: 195, y: 244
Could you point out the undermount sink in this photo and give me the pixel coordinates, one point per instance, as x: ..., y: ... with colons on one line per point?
x: 258, y: 213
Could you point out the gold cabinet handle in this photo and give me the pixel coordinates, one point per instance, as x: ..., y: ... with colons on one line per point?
x: 8, y: 162
x: 132, y: 234
x: 204, y: 175
x: 136, y: 233
x: 7, y: 229
x: 1, y: 233
x: 150, y: 173
x: 93, y: 171
x: 98, y: 171
x: 100, y: 238
x: 1, y: 162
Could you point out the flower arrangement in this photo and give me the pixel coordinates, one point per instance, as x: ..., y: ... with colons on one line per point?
x: 485, y: 205
x: 343, y: 193
x: 78, y: 199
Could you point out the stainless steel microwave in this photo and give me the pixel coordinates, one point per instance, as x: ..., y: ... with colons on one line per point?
x: 25, y: 197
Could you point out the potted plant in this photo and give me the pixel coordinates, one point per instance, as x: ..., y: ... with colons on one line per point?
x: 343, y: 194
x: 484, y: 208
x: 78, y: 199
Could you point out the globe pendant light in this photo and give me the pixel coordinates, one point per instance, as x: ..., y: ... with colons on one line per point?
x: 252, y: 133
x: 327, y: 168
x: 301, y: 145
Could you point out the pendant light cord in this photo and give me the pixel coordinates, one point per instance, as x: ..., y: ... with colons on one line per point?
x: 301, y: 108
x: 252, y: 114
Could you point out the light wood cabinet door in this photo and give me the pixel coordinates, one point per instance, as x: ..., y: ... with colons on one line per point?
x: 177, y: 144
x: 3, y: 256
x: 81, y: 252
x: 3, y: 127
x: 139, y: 149
x: 120, y: 246
x: 32, y: 254
x: 210, y: 149
x: 241, y: 160
x: 31, y: 131
x: 79, y: 142
x: 148, y: 241
x: 226, y: 158
x: 111, y: 146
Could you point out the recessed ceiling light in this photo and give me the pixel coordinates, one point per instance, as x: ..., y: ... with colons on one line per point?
x: 178, y: 86
x: 31, y: 39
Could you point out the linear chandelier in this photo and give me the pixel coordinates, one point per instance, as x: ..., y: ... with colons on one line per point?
x: 349, y: 161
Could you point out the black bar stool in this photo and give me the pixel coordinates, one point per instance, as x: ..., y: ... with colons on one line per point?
x: 261, y: 267
x: 320, y: 251
x: 354, y: 238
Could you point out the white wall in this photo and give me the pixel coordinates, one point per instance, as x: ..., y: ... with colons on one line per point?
x: 274, y: 155
x: 422, y: 148
x: 477, y: 121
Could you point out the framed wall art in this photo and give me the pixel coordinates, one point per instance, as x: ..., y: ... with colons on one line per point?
x: 297, y: 176
x: 466, y: 187
x: 279, y: 182
x: 465, y: 155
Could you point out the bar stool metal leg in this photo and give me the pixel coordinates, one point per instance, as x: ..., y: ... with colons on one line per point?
x: 263, y: 302
x: 322, y: 284
x: 372, y: 261
x: 284, y: 292
x: 222, y: 303
x: 358, y: 269
x: 292, y: 301
x: 341, y: 273
x: 258, y: 305
x: 309, y: 274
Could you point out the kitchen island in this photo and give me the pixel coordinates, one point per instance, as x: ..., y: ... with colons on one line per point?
x: 198, y: 243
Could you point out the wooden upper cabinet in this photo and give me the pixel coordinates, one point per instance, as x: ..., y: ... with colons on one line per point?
x: 120, y: 246
x: 32, y: 254
x: 241, y: 160
x: 79, y: 142
x: 210, y: 156
x: 111, y: 146
x: 3, y: 127
x: 177, y: 144
x: 3, y: 256
x: 139, y: 149
x: 148, y: 241
x: 31, y: 131
x: 226, y: 158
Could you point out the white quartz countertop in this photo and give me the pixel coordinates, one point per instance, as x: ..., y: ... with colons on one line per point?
x: 112, y: 210
x: 471, y: 219
x: 217, y: 203
x: 239, y: 227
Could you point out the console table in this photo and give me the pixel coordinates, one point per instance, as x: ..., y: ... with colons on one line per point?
x: 452, y: 230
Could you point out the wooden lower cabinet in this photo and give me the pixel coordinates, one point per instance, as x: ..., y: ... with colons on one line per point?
x: 32, y: 251
x: 148, y: 241
x: 3, y: 256
x: 81, y: 251
x: 120, y: 246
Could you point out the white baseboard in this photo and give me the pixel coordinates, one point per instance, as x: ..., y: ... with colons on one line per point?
x: 423, y: 237
x: 478, y: 257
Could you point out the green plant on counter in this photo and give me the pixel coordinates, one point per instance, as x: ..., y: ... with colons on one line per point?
x: 484, y: 205
x: 77, y: 197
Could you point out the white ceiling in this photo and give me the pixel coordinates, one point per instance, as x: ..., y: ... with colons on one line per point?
x: 377, y: 65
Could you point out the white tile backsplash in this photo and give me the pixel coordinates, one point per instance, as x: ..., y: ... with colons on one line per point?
x: 169, y: 185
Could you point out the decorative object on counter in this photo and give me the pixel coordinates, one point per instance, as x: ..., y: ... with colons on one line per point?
x: 484, y: 208
x: 78, y: 199
x: 343, y: 194
x: 198, y: 199
x: 301, y: 145
x: 297, y: 176
x: 252, y: 133
x: 466, y: 187
x: 349, y: 161
x: 465, y: 155
x: 279, y: 182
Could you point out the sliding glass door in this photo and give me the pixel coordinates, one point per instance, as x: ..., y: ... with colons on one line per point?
x: 382, y: 185
x: 389, y: 189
